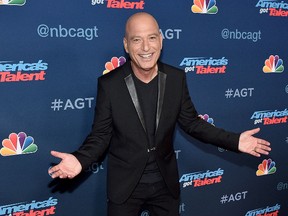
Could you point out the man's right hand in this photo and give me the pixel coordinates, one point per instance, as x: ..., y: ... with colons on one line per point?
x: 69, y: 166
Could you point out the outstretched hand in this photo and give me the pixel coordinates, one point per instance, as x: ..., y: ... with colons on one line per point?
x: 69, y: 166
x: 252, y: 145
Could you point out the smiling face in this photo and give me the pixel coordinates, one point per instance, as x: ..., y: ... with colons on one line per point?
x: 143, y: 43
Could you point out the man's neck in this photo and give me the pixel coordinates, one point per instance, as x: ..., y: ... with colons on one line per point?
x: 145, y: 76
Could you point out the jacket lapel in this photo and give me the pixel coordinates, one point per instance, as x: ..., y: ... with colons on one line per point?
x: 132, y: 91
x: 161, y: 91
x: 133, y: 94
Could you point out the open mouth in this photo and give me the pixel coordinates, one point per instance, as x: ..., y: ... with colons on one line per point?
x: 146, y: 56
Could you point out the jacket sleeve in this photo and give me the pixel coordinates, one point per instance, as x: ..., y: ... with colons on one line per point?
x: 198, y: 128
x: 96, y: 143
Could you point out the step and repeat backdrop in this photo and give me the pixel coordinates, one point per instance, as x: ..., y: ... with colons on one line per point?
x: 235, y: 57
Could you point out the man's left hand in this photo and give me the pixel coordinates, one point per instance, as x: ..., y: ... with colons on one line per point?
x: 252, y: 145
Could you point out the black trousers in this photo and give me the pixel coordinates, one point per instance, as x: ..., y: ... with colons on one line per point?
x: 153, y: 198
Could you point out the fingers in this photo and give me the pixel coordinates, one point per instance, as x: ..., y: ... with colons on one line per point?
x: 254, y: 153
x: 261, y: 151
x: 56, y: 172
x: 261, y: 148
x: 69, y: 166
x: 263, y: 142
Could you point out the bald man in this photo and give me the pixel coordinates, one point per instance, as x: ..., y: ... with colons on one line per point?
x: 138, y: 106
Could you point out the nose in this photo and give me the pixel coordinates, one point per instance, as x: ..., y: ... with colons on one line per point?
x: 145, y: 45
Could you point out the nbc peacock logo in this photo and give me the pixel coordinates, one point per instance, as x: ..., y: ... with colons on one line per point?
x: 114, y: 63
x: 204, y: 7
x: 13, y: 2
x: 18, y: 144
x: 266, y: 167
x: 273, y: 65
x: 206, y: 118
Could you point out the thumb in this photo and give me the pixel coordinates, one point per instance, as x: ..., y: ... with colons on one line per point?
x: 58, y: 154
x: 253, y: 131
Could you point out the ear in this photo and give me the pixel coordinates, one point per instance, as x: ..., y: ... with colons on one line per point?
x: 125, y: 45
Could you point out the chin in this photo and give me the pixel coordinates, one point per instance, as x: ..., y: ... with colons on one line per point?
x: 148, y: 66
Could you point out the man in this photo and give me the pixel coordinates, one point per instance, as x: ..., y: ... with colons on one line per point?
x: 137, y: 108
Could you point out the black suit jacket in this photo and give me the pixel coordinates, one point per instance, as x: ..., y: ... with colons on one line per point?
x: 119, y: 125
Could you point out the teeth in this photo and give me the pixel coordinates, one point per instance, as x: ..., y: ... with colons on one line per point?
x: 146, y: 56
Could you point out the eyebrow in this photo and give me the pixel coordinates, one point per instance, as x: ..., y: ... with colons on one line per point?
x: 153, y: 34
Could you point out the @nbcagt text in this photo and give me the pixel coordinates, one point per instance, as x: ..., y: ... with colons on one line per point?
x: 228, y: 34
x: 95, y: 167
x: 60, y: 31
x: 66, y: 104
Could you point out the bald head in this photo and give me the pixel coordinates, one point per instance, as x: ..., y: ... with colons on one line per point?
x: 139, y: 19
